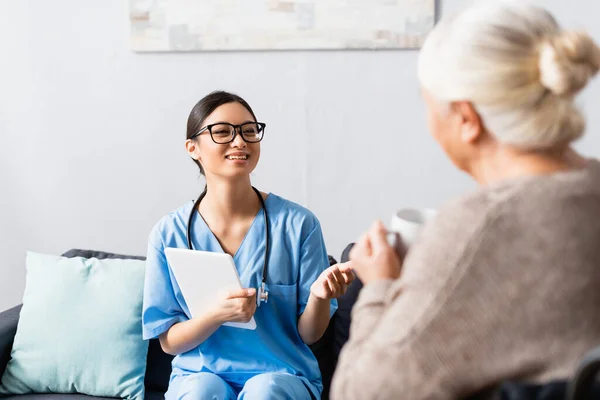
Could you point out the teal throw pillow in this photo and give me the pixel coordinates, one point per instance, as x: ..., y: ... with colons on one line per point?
x: 80, y: 329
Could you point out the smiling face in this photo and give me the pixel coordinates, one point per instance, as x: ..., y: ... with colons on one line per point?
x: 232, y: 160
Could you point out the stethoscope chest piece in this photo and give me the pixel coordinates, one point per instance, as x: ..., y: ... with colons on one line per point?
x: 262, y: 296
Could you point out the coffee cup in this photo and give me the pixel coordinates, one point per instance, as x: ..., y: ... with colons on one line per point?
x: 406, y: 226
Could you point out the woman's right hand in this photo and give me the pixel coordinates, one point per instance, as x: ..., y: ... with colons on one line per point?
x: 237, y: 306
x: 373, y: 258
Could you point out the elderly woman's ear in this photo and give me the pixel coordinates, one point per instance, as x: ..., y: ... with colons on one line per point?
x: 471, y: 127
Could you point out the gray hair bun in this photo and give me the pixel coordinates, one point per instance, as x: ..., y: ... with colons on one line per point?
x: 567, y: 62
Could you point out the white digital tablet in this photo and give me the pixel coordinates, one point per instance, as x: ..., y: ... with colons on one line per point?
x: 202, y: 276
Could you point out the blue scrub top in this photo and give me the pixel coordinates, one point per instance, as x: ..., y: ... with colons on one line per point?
x: 297, y: 258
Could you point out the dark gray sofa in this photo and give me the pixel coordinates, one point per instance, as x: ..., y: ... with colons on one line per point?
x: 158, y: 364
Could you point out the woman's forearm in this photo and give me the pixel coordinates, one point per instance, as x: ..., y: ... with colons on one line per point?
x: 187, y: 335
x: 314, y: 320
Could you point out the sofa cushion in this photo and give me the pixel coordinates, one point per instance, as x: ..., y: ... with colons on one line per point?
x: 79, y: 329
x: 9, y: 320
x: 154, y: 396
x: 158, y: 368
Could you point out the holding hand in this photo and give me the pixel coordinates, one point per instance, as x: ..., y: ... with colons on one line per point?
x: 333, y: 282
x: 373, y: 258
x: 237, y: 306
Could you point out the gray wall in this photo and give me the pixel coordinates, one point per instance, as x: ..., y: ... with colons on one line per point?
x: 91, y: 134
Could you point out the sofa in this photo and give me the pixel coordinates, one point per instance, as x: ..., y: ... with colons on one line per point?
x: 158, y: 364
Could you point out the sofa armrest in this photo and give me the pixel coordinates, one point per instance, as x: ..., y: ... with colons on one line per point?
x: 8, y: 328
x: 585, y: 383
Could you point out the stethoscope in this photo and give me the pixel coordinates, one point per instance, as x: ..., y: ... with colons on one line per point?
x: 262, y: 294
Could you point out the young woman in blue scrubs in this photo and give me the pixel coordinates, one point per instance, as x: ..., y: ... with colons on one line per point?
x: 222, y: 362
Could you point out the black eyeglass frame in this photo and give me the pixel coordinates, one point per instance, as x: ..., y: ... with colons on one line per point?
x: 261, y: 126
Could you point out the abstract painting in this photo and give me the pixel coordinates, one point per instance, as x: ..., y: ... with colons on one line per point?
x: 222, y: 25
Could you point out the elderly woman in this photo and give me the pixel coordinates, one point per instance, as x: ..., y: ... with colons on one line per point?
x: 504, y: 283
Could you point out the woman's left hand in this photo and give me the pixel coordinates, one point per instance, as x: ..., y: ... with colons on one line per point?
x: 333, y: 282
x: 373, y: 258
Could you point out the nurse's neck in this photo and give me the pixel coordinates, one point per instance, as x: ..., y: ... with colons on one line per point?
x: 230, y: 199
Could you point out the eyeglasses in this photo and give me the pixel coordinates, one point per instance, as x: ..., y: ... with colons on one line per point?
x: 223, y: 132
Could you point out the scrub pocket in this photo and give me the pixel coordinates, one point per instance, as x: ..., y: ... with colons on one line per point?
x: 283, y: 300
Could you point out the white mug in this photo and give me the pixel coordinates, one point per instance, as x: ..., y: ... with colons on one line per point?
x: 407, y: 224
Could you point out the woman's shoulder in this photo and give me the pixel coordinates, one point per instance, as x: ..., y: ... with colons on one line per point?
x: 518, y: 203
x: 290, y: 207
x: 518, y: 198
x: 173, y: 222
x: 291, y: 212
x: 462, y: 216
x: 462, y: 222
